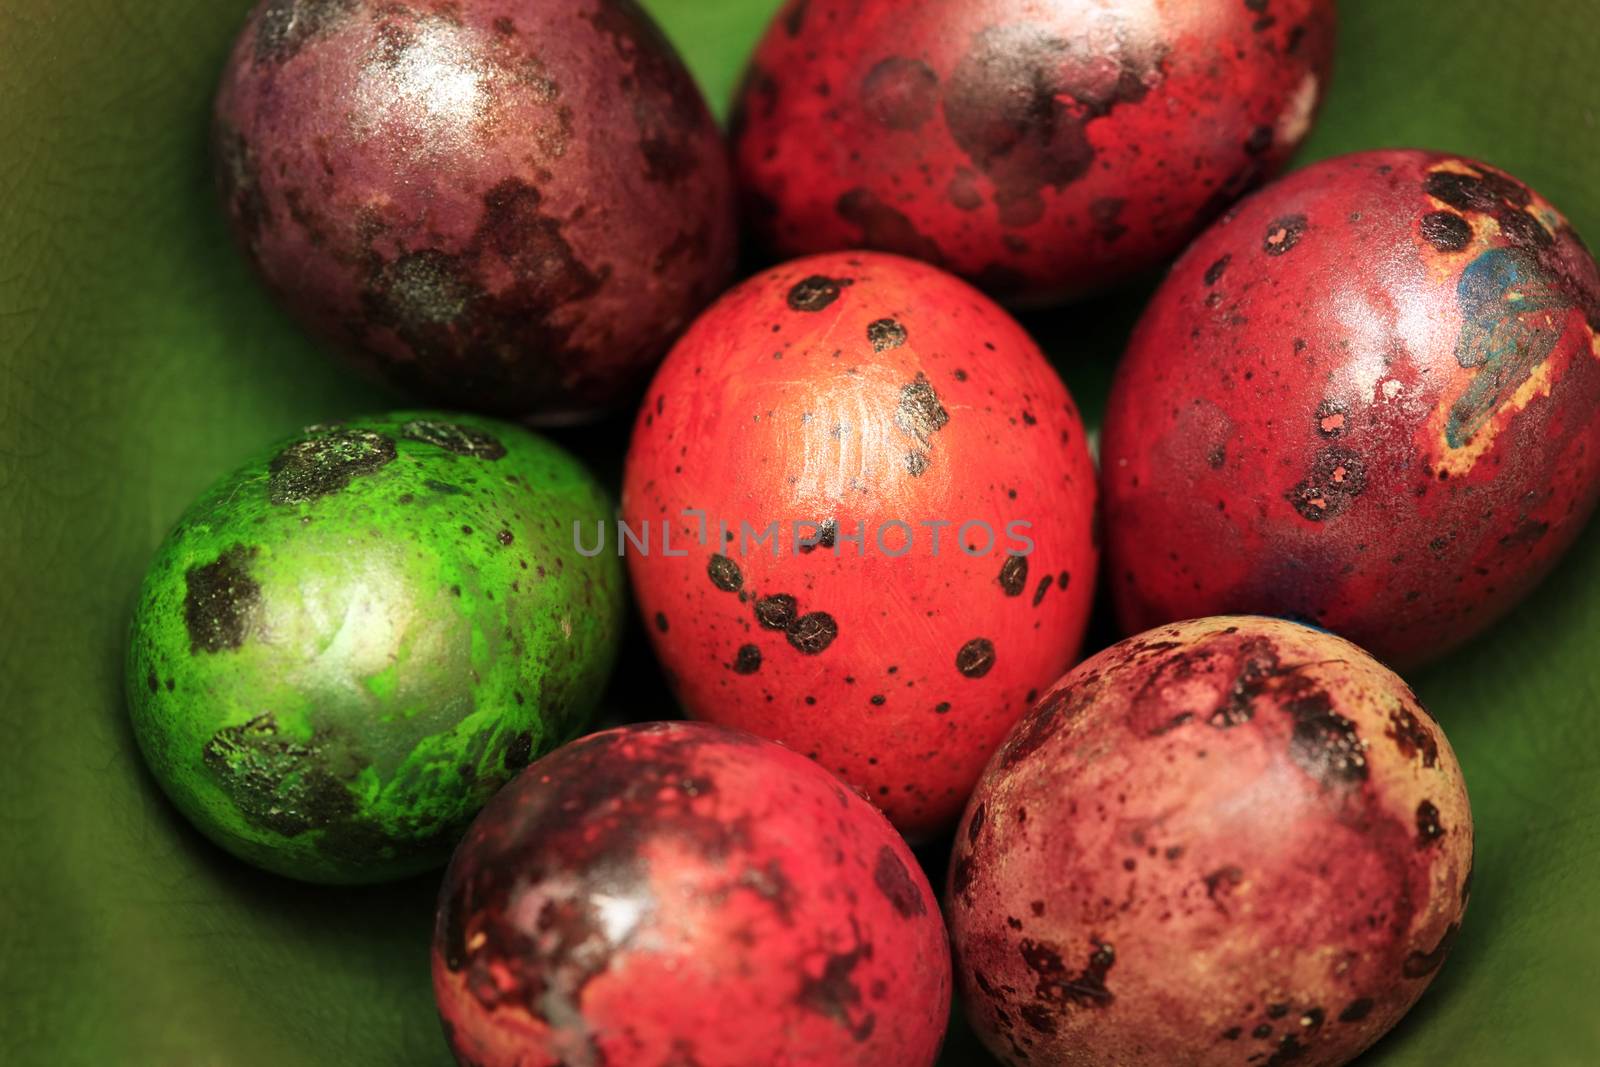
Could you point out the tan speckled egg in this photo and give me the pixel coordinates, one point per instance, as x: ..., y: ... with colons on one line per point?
x: 1226, y: 841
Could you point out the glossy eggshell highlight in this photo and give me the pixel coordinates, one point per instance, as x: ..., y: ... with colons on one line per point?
x: 348, y: 644
x: 1367, y: 399
x: 1043, y: 150
x: 510, y: 206
x: 678, y: 893
x: 1227, y: 841
x: 863, y: 390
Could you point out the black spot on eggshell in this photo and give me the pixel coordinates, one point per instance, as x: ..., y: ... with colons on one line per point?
x: 1429, y: 828
x: 453, y: 437
x: 220, y: 601
x: 725, y: 574
x: 1336, y: 479
x: 1522, y: 229
x: 1356, y: 1010
x: 886, y: 334
x: 826, y: 536
x: 815, y: 293
x: 777, y: 611
x: 916, y: 463
x: 747, y: 660
x: 325, y: 464
x: 1411, y: 737
x: 1323, y: 742
x: 1476, y: 192
x: 1214, y: 272
x: 276, y: 782
x: 1059, y: 988
x: 919, y: 413
x: 1044, y: 587
x: 813, y: 632
x: 1446, y: 231
x: 1283, y: 234
x: 975, y: 658
x: 1014, y: 575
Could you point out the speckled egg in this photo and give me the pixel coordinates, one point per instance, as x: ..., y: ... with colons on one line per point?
x: 347, y: 645
x: 1223, y: 842
x: 510, y: 206
x: 678, y: 893
x: 1044, y: 150
x: 1369, y: 398
x: 870, y: 515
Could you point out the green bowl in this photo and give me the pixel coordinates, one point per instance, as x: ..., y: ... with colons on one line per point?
x: 139, y: 360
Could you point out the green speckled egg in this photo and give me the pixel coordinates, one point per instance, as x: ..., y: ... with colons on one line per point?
x: 346, y: 646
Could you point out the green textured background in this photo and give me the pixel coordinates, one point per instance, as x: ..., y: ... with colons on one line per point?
x: 138, y: 361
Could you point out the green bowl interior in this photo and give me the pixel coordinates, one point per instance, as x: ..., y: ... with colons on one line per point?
x: 139, y: 360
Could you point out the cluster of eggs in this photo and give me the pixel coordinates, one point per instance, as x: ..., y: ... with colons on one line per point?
x: 865, y: 523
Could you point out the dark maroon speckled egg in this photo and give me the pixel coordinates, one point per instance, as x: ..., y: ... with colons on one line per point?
x: 1041, y: 148
x: 510, y: 206
x: 1368, y: 398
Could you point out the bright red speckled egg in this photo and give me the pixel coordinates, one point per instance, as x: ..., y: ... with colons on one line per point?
x: 869, y: 398
x: 1223, y: 842
x: 1042, y: 148
x: 506, y: 205
x: 1369, y: 398
x: 677, y: 893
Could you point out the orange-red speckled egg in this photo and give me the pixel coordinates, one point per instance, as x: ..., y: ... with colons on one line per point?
x: 927, y: 446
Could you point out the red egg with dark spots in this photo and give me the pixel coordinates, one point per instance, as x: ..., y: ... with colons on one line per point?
x: 511, y: 206
x: 1369, y: 398
x: 1226, y: 841
x: 677, y: 893
x: 1042, y: 150
x: 920, y: 475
